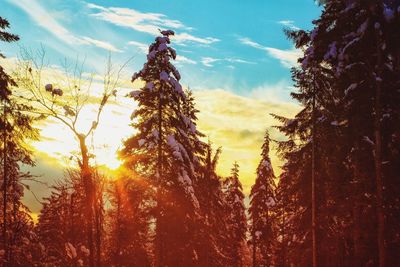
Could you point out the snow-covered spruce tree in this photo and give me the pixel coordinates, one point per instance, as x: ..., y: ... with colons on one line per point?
x: 262, y: 201
x: 236, y: 218
x: 16, y: 128
x: 350, y: 68
x: 164, y: 152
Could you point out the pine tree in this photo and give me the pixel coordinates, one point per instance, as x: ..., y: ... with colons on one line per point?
x: 212, y: 228
x: 236, y: 220
x: 59, y: 227
x: 164, y: 152
x: 347, y: 63
x: 262, y: 201
x: 16, y: 125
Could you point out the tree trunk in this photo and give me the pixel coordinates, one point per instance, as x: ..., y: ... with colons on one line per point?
x: 160, y: 240
x: 254, y: 252
x: 378, y: 156
x: 379, y: 179
x: 88, y: 186
x: 99, y: 223
x: 357, y: 251
x: 283, y: 239
x: 5, y: 187
x: 313, y: 183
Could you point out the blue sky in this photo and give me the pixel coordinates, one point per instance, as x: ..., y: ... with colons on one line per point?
x: 237, y: 46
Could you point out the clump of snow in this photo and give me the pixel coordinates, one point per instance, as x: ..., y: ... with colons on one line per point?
x: 150, y: 85
x: 164, y: 76
x: 349, y: 44
x: 155, y: 133
x: 167, y: 33
x: 266, y: 164
x: 258, y: 234
x: 388, y: 13
x: 332, y: 51
x: 162, y: 40
x: 141, y: 142
x: 184, y: 179
x: 173, y: 144
x: 270, y: 202
x: 309, y: 53
x: 85, y: 251
x: 363, y: 27
x: 314, y: 34
x: 368, y: 140
x: 71, y: 251
x: 351, y: 88
x: 151, y: 55
x: 162, y: 47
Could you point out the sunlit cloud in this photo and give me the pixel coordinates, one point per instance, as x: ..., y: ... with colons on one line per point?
x: 289, y: 24
x: 273, y: 92
x: 150, y: 23
x: 144, y: 48
x: 238, y: 124
x: 287, y: 57
x: 208, y: 61
x: 183, y: 59
x: 46, y: 20
x: 100, y: 44
x: 185, y: 37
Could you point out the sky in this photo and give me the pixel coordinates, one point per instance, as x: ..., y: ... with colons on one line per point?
x: 233, y: 54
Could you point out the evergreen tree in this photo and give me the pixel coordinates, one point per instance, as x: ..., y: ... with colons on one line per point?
x: 262, y: 201
x: 164, y: 152
x: 16, y: 127
x: 236, y: 220
x: 349, y: 70
x: 59, y: 227
x: 212, y: 229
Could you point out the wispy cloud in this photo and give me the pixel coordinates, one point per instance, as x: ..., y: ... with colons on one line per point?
x: 141, y: 46
x: 208, y: 61
x: 185, y: 37
x: 183, y: 59
x: 236, y: 123
x: 47, y: 21
x: 147, y: 22
x: 100, y: 44
x: 288, y: 57
x: 289, y: 24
